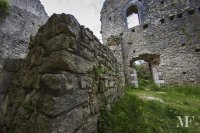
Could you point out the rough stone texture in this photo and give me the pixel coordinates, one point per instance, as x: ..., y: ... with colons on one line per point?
x: 22, y: 20
x: 17, y: 24
x: 65, y: 79
x: 167, y: 37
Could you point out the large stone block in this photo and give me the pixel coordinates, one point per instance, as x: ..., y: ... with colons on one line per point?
x: 71, y: 121
x: 60, y: 42
x: 65, y: 61
x: 58, y: 84
x: 54, y: 106
x: 58, y: 24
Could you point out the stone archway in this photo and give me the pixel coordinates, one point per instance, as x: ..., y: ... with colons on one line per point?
x: 153, y: 61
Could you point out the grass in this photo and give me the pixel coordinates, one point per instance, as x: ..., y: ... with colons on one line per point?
x: 133, y: 114
x: 4, y: 5
x: 149, y: 109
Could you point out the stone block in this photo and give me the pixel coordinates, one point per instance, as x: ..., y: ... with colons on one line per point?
x: 60, y: 42
x: 70, y: 121
x: 58, y: 84
x: 90, y: 125
x: 54, y: 106
x: 65, y: 61
x: 86, y: 83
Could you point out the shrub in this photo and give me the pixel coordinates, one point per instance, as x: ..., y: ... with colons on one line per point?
x: 4, y: 5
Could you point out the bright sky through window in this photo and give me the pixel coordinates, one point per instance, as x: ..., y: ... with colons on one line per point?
x: 132, y: 20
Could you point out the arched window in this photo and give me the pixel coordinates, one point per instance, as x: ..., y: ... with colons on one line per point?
x: 132, y: 16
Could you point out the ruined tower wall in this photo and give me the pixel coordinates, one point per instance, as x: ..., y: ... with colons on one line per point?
x: 114, y: 19
x: 176, y: 41
x: 22, y: 20
x: 168, y: 30
x: 67, y: 76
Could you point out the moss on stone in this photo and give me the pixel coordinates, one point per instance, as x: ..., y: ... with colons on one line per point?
x: 185, y: 32
x: 100, y: 70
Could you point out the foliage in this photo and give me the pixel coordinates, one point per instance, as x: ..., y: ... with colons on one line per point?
x: 145, y: 79
x: 100, y: 70
x: 143, y: 71
x: 104, y: 120
x: 4, y: 5
x: 123, y: 116
x: 132, y: 114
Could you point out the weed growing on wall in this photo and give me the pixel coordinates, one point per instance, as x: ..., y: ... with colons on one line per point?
x: 4, y: 5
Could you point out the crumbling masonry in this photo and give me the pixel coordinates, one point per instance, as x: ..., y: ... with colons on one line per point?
x: 168, y: 37
x: 68, y: 75
x: 17, y: 24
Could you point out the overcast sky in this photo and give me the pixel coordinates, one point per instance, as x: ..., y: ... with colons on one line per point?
x: 87, y: 12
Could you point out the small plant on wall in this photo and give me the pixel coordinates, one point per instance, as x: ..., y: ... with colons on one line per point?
x: 4, y: 5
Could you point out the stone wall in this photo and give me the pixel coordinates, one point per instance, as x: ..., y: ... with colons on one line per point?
x: 175, y: 41
x: 22, y: 20
x: 17, y: 25
x: 114, y: 17
x: 67, y: 76
x: 167, y: 38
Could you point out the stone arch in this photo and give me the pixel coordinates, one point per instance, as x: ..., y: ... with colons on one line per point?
x: 153, y: 61
x: 130, y: 12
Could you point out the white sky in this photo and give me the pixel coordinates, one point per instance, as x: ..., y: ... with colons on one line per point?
x: 87, y: 12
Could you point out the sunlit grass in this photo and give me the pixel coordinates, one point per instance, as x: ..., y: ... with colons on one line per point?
x: 132, y: 114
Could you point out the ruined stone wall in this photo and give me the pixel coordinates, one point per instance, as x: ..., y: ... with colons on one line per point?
x: 115, y: 45
x: 176, y: 41
x: 167, y: 37
x: 17, y: 24
x: 114, y: 19
x: 154, y: 10
x: 67, y: 76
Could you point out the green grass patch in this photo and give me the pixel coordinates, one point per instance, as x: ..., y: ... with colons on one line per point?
x: 133, y: 114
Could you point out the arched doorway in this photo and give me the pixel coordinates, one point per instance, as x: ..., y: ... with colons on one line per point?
x: 144, y: 70
x: 144, y: 73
